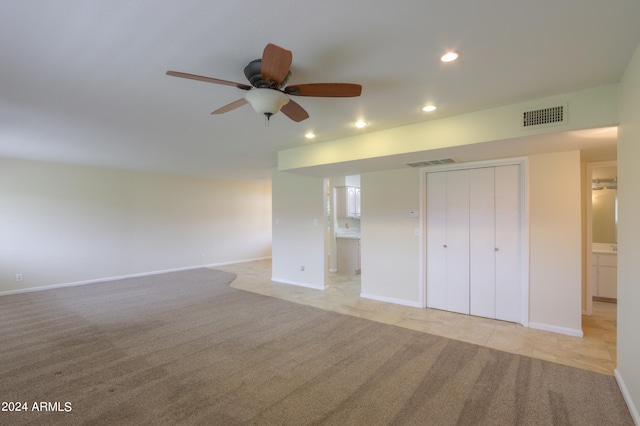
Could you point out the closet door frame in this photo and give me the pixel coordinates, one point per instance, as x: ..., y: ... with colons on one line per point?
x: 524, y: 225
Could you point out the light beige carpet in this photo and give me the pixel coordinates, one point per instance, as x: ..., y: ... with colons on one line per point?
x: 185, y: 348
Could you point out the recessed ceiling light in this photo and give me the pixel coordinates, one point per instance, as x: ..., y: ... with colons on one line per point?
x: 429, y: 108
x: 310, y: 135
x: 360, y: 124
x: 449, y: 57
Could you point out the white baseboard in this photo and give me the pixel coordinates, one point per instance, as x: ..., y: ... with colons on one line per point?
x: 298, y: 283
x: 556, y: 329
x: 234, y: 262
x: 121, y: 277
x: 627, y: 398
x: 403, y: 302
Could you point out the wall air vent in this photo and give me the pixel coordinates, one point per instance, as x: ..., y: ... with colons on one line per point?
x: 544, y: 117
x: 432, y: 162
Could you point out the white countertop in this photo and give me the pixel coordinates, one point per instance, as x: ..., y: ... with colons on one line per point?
x: 604, y: 248
x: 351, y: 235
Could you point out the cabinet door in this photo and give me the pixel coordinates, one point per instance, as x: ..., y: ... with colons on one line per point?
x: 482, y: 245
x: 348, y: 255
x: 437, y: 240
x: 607, y: 282
x: 341, y: 201
x: 351, y: 202
x: 358, y: 209
x: 457, y: 245
x: 508, y: 287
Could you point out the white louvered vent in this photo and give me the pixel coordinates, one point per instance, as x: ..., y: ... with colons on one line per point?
x: 544, y: 117
x: 432, y: 162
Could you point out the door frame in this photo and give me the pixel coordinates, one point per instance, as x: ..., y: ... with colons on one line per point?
x: 523, y: 162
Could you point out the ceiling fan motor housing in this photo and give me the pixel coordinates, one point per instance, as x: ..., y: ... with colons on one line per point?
x: 253, y: 73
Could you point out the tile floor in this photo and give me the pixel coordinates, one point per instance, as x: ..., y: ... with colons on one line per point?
x: 596, y: 351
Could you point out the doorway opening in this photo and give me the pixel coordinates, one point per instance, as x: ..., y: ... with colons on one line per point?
x: 601, y: 246
x: 601, y: 233
x: 343, y: 234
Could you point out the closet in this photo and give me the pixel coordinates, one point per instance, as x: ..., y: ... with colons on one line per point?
x: 473, y: 241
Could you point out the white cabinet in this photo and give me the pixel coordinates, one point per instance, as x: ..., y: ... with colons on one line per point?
x: 348, y: 255
x: 347, y: 201
x: 473, y: 238
x: 605, y: 275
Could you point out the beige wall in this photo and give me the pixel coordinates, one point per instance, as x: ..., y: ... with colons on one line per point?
x: 64, y: 224
x: 299, y: 227
x: 555, y: 252
x: 390, y: 250
x: 628, y: 369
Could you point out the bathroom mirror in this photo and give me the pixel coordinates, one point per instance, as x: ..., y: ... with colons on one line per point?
x: 604, y: 198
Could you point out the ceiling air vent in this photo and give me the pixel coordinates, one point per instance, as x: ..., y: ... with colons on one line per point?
x: 544, y: 117
x: 432, y: 162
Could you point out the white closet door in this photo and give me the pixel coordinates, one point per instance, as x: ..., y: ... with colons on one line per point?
x: 437, y: 240
x: 508, y: 287
x: 482, y: 248
x: 457, y: 244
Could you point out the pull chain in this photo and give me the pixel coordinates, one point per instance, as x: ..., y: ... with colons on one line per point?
x: 267, y: 116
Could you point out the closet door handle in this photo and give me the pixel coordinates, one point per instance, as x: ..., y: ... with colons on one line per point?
x: 497, y: 249
x: 444, y: 245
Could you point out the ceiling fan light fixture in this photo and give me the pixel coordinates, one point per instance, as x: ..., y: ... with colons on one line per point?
x: 310, y: 135
x: 266, y: 101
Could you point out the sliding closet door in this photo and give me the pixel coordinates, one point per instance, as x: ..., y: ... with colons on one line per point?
x: 457, y: 244
x: 482, y: 247
x: 508, y: 287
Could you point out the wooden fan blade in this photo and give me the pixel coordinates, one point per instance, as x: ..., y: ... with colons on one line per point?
x: 276, y: 62
x: 208, y: 79
x: 294, y: 111
x: 329, y: 90
x: 231, y: 106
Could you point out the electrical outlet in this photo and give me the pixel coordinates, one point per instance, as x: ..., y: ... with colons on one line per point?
x: 302, y: 268
x: 18, y: 277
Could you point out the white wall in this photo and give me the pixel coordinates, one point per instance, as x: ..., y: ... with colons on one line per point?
x: 390, y: 250
x: 555, y: 239
x: 64, y: 224
x: 628, y: 369
x: 299, y: 227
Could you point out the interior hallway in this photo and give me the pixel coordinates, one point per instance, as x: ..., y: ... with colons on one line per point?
x: 596, y: 351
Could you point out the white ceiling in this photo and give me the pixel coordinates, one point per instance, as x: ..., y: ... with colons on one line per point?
x: 84, y: 81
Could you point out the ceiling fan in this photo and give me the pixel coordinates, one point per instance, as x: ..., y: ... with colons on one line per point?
x: 268, y: 77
